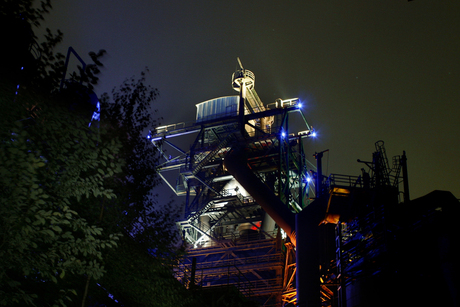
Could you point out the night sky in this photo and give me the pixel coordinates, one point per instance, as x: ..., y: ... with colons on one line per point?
x: 365, y: 70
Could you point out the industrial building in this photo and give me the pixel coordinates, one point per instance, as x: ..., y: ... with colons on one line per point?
x: 262, y: 218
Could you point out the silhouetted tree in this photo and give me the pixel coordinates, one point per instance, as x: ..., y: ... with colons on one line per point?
x: 51, y: 162
x: 68, y: 190
x: 140, y: 271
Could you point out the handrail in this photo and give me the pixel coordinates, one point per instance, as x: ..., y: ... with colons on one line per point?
x: 218, y: 264
x: 172, y: 127
x: 344, y: 180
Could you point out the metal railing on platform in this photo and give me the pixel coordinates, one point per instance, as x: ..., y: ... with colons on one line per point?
x: 344, y: 180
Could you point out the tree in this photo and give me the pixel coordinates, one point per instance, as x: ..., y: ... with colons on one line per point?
x: 68, y: 191
x: 141, y: 269
x: 49, y: 161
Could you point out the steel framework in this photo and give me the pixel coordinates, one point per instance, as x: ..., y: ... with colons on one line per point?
x: 231, y: 238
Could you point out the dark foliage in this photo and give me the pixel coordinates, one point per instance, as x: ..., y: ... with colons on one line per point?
x: 68, y: 190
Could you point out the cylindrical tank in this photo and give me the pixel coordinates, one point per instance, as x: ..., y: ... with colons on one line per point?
x: 243, y: 77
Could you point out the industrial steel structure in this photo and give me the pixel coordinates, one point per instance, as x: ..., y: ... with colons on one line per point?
x: 260, y: 217
x: 232, y: 239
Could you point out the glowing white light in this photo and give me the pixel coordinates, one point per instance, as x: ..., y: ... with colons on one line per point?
x: 313, y: 134
x: 283, y: 134
x: 283, y: 234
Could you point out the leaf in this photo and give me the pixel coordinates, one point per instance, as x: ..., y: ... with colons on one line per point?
x: 62, y: 274
x: 56, y: 228
x: 13, y: 150
x: 48, y: 232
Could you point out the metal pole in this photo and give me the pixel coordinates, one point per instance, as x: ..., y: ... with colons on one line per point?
x: 301, y: 156
x: 241, y: 109
x: 405, y: 178
x: 192, y: 275
x: 319, y: 173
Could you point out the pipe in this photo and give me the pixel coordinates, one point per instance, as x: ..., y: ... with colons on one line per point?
x: 302, y: 228
x: 307, y: 254
x: 319, y: 172
x: 236, y: 164
x: 405, y: 178
x: 192, y: 275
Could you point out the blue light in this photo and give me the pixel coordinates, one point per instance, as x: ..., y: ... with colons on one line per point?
x: 149, y: 136
x: 283, y: 134
x: 299, y: 105
x: 96, y: 114
x: 313, y: 134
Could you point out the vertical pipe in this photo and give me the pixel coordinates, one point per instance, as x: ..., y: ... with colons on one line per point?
x: 187, y: 197
x: 301, y: 156
x: 241, y: 109
x: 287, y: 188
x: 307, y: 254
x: 192, y: 275
x: 405, y: 178
x: 280, y: 174
x: 342, y: 300
x: 319, y: 173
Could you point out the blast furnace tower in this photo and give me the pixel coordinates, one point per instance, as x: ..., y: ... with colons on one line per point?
x: 260, y: 218
x: 243, y: 177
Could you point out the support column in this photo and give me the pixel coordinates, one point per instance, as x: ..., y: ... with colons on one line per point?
x: 307, y: 254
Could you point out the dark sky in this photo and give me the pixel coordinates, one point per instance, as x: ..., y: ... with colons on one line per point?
x: 366, y: 70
